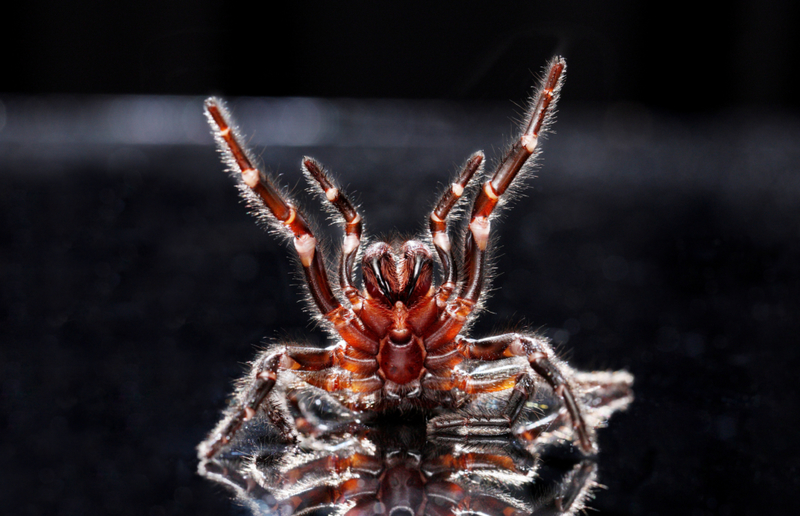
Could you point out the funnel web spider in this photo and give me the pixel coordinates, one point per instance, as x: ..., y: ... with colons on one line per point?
x: 398, y: 343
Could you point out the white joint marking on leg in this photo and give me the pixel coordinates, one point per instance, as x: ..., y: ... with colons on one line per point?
x: 435, y: 218
x: 533, y: 356
x: 250, y: 177
x: 457, y: 189
x: 332, y: 194
x: 225, y: 132
x: 305, y: 245
x: 292, y: 216
x: 517, y: 348
x: 350, y: 243
x: 529, y: 141
x: 480, y: 227
x: 456, y: 311
x: 249, y: 413
x: 267, y: 375
x: 489, y: 189
x: 442, y: 241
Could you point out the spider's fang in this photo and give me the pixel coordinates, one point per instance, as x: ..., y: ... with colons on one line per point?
x: 387, y: 292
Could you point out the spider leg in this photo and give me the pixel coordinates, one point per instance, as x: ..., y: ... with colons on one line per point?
x: 273, y: 203
x: 448, y: 498
x: 575, y: 487
x: 263, y: 378
x: 481, y: 424
x: 542, y: 361
x: 315, y: 366
x: 358, y: 463
x: 439, y: 226
x: 320, y: 497
x: 539, y: 114
x: 443, y: 466
x: 352, y: 227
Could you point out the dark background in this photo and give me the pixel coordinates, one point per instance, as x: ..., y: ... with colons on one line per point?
x: 680, y: 56
x: 661, y: 236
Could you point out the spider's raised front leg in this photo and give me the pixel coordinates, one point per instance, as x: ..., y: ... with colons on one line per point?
x: 330, y: 369
x: 352, y: 222
x: 439, y: 226
x: 526, y: 147
x: 521, y: 153
x: 269, y: 201
x: 542, y: 361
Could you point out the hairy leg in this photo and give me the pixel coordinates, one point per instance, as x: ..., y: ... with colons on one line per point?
x: 521, y: 154
x: 277, y: 207
x: 315, y: 366
x: 439, y: 226
x: 350, y: 219
x: 526, y: 146
x: 543, y: 362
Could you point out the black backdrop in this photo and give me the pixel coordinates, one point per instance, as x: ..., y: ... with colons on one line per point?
x: 661, y: 236
x: 678, y: 56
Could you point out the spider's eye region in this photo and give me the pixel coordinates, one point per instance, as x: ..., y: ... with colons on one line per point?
x: 388, y: 281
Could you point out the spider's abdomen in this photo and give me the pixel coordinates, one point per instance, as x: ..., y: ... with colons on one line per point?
x: 401, y: 362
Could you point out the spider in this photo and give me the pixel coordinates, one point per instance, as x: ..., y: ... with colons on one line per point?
x: 399, y: 343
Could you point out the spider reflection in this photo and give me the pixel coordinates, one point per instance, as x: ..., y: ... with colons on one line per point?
x: 395, y: 467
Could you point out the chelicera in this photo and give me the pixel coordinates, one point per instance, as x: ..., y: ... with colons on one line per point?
x: 398, y: 342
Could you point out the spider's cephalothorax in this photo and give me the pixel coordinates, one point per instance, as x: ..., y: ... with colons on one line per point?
x: 399, y: 305
x: 398, y: 341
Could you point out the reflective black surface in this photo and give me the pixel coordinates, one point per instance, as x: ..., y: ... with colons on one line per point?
x: 399, y: 464
x: 396, y: 470
x: 134, y: 286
